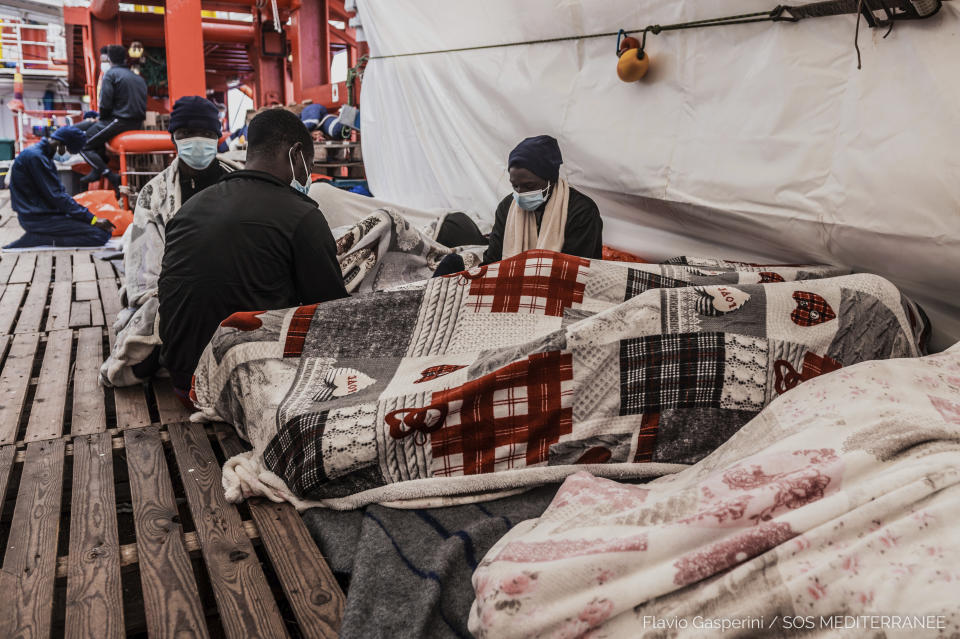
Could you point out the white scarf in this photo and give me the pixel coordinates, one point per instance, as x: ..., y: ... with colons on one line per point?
x: 520, y: 232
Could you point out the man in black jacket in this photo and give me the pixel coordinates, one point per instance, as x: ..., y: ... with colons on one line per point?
x: 123, y: 107
x: 252, y: 242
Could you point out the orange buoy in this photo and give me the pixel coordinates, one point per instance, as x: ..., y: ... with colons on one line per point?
x: 628, y: 43
x: 631, y: 68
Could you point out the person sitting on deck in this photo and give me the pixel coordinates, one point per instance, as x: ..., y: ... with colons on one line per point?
x: 123, y: 107
x: 253, y: 241
x: 46, y: 212
x: 195, y: 129
x: 543, y: 211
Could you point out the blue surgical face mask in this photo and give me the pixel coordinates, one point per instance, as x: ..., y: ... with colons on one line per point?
x: 532, y: 200
x: 63, y: 158
x: 303, y: 188
x: 197, y: 153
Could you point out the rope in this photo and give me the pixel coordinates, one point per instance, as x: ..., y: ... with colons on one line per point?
x: 780, y: 13
x: 775, y: 15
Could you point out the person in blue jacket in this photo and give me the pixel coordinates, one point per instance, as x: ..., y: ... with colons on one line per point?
x: 48, y: 214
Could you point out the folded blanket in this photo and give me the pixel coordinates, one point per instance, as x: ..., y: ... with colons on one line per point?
x: 835, y: 506
x: 517, y: 373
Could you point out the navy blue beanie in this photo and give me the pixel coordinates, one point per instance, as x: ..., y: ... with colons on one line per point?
x: 72, y: 137
x: 540, y: 155
x: 312, y: 115
x: 194, y: 112
x: 90, y: 114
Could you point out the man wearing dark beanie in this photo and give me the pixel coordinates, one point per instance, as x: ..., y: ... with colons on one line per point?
x: 543, y: 211
x: 195, y: 130
x: 252, y: 242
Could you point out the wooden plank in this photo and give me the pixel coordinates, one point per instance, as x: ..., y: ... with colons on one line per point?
x: 32, y: 546
x: 32, y: 312
x: 79, y: 314
x: 130, y: 556
x: 86, y: 291
x: 131, y: 407
x: 110, y: 297
x: 7, y: 262
x: 96, y: 313
x: 312, y: 590
x: 23, y: 272
x: 64, y: 270
x: 83, y: 270
x: 169, y: 589
x: 7, y: 454
x: 170, y: 407
x: 94, y: 594
x: 13, y: 384
x: 58, y: 317
x: 10, y: 305
x: 46, y: 411
x: 89, y: 413
x: 246, y: 605
x: 130, y: 402
x: 104, y: 269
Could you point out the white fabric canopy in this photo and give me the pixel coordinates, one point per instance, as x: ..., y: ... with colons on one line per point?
x: 758, y: 142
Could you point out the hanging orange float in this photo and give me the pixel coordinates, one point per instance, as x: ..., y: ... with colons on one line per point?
x: 634, y: 62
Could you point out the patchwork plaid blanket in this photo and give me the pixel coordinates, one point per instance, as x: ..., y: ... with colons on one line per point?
x: 527, y: 370
x: 380, y: 251
x: 832, y: 513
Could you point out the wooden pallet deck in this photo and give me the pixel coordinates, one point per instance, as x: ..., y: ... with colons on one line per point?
x: 114, y: 522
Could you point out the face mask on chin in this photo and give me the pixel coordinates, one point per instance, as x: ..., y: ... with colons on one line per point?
x: 62, y: 158
x: 303, y: 188
x: 197, y: 153
x: 532, y: 200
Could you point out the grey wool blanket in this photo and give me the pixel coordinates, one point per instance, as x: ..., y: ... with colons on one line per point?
x: 408, y: 571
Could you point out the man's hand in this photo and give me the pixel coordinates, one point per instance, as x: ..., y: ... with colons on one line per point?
x: 105, y: 225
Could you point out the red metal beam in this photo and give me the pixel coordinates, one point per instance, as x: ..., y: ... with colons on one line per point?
x: 324, y: 95
x: 269, y: 73
x: 104, y: 9
x: 310, y: 46
x: 147, y: 27
x: 184, y: 42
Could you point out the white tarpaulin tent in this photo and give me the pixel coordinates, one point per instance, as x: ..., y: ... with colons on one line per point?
x: 759, y: 141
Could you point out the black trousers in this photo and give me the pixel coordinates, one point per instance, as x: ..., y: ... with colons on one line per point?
x: 101, y: 132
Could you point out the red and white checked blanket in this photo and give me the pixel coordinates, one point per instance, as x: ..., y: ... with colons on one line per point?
x: 524, y: 371
x: 832, y: 513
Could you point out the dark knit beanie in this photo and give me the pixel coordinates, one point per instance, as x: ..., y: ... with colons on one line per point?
x: 540, y: 155
x: 194, y: 112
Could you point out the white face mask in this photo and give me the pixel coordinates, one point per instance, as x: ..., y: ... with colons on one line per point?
x: 303, y: 188
x: 532, y: 200
x: 104, y: 67
x: 197, y: 153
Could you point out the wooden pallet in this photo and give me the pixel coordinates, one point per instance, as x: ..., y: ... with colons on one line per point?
x: 114, y: 522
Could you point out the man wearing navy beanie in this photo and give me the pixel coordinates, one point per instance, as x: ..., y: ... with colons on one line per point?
x: 46, y: 212
x: 195, y: 130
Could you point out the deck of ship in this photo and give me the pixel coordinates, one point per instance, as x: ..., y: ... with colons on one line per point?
x: 114, y: 522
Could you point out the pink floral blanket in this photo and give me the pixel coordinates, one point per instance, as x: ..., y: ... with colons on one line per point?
x: 832, y: 513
